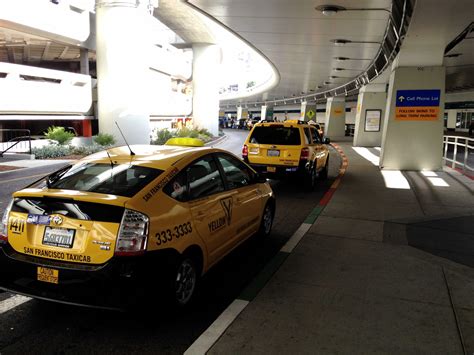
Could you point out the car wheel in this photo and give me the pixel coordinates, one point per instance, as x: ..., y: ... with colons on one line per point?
x: 323, y: 174
x: 185, y: 281
x: 267, y: 220
x: 310, y: 179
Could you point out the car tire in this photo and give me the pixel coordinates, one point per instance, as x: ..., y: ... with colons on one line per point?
x: 185, y: 280
x: 310, y: 179
x: 323, y: 174
x: 266, y: 222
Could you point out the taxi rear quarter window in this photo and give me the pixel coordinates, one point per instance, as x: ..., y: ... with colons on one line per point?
x: 121, y: 180
x: 276, y: 134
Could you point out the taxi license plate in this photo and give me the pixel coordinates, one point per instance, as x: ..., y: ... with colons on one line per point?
x: 58, y: 237
x: 271, y: 169
x: 273, y: 153
x: 48, y: 275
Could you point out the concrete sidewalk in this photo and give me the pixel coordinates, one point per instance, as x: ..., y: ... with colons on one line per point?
x: 382, y: 270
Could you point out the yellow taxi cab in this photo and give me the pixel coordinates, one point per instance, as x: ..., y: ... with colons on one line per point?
x: 122, y: 226
x: 290, y: 147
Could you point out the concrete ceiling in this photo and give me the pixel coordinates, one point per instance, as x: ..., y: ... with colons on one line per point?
x: 294, y: 36
x: 297, y: 38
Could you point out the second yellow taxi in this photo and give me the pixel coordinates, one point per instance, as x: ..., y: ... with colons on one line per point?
x: 293, y: 147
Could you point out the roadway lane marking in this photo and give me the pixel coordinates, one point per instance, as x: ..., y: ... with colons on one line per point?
x: 207, y: 339
x: 24, y: 177
x: 295, y: 238
x: 216, y: 329
x: 12, y: 302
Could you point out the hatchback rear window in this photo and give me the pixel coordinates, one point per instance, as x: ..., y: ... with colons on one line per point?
x: 276, y: 135
x: 118, y: 179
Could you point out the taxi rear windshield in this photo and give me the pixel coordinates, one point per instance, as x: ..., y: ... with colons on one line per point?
x: 114, y: 179
x: 276, y: 135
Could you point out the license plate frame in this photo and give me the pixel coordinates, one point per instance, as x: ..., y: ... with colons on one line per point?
x: 45, y: 274
x: 59, y: 237
x: 273, y: 153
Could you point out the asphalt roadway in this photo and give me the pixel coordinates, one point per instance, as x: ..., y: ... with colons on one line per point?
x: 44, y: 327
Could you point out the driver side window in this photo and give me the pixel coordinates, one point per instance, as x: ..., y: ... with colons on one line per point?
x: 316, y: 137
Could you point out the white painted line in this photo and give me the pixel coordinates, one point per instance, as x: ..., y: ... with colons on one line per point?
x: 216, y: 329
x: 295, y: 238
x: 12, y: 302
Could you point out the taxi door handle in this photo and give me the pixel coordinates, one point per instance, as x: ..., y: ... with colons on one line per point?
x: 200, y: 215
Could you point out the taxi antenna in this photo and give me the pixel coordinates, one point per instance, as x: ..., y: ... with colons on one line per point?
x: 131, y: 151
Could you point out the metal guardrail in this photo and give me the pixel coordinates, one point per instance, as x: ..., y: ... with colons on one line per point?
x: 463, y: 146
x: 20, y: 139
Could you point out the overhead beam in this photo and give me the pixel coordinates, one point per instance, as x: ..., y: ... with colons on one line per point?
x: 46, y: 51
x: 63, y: 53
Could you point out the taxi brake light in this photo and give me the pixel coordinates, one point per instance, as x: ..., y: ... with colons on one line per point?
x: 245, y: 151
x: 133, y: 234
x: 4, y: 223
x: 304, y: 154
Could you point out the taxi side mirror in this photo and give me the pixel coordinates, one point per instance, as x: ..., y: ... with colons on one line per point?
x: 260, y: 178
x: 326, y: 141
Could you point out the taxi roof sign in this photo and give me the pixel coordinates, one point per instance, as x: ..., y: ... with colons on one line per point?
x: 185, y: 141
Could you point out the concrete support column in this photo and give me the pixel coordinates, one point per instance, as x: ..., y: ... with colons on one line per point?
x: 369, y: 116
x: 84, y: 61
x: 263, y: 112
x: 239, y: 112
x: 206, y: 62
x: 335, y: 125
x: 413, y: 128
x: 452, y: 115
x: 123, y: 69
x: 303, y: 110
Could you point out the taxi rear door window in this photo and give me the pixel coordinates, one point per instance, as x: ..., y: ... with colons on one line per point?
x: 237, y: 174
x: 204, y: 178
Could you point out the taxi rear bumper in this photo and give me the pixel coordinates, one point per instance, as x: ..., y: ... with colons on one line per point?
x: 280, y: 171
x: 119, y: 284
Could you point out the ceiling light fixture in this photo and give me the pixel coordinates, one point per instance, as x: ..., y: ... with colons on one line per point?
x: 341, y: 42
x: 454, y: 55
x: 330, y: 10
x: 343, y: 59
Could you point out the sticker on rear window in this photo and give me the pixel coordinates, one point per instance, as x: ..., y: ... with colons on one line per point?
x: 38, y: 219
x: 160, y: 184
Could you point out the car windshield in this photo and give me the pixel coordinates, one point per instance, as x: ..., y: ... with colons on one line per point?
x: 276, y: 135
x: 122, y: 179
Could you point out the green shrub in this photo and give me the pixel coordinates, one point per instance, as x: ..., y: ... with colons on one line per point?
x: 162, y: 135
x: 59, y: 134
x: 51, y: 151
x: 87, y: 149
x: 104, y: 139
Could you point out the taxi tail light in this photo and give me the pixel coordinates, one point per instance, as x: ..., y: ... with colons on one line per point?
x: 133, y: 234
x: 245, y: 151
x: 304, y: 154
x: 4, y: 224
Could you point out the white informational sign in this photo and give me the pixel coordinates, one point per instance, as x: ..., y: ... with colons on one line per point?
x: 372, y: 120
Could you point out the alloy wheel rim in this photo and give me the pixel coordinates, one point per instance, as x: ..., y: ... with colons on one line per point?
x: 185, y: 282
x: 267, y: 220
